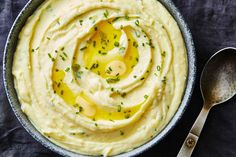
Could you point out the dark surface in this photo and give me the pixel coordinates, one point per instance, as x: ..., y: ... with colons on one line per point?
x: 213, y: 25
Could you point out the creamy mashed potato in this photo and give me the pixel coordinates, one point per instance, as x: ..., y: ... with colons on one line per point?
x: 100, y: 77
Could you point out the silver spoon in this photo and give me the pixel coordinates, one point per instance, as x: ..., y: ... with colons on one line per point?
x: 218, y: 84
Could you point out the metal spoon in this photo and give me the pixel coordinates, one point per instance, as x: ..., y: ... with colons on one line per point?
x: 218, y: 84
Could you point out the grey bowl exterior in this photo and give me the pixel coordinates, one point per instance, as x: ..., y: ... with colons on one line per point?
x: 14, y: 102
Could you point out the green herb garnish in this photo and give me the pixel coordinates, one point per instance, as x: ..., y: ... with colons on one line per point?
x: 67, y: 69
x: 106, y: 13
x: 142, y: 78
x: 78, y: 74
x: 115, y: 19
x: 94, y: 66
x: 81, y: 22
x: 163, y: 53
x: 119, y: 108
x: 137, y: 22
x: 135, y: 44
x: 121, y: 133
x: 80, y: 108
x: 145, y: 96
x: 126, y: 17
x: 83, y: 48
x: 117, y: 44
x: 94, y: 43
x: 113, y: 80
x: 164, y: 80
x: 50, y: 56
x: 122, y: 49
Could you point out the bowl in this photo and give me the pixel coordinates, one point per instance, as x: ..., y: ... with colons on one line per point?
x: 10, y: 47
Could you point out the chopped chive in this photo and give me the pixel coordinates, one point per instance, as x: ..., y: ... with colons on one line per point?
x: 142, y: 78
x: 94, y: 66
x: 80, y: 108
x: 163, y: 53
x: 119, y: 108
x: 106, y: 13
x: 102, y: 53
x: 126, y: 17
x: 50, y: 56
x: 113, y: 80
x: 58, y: 22
x: 135, y: 44
x: 94, y: 43
x: 62, y: 57
x: 145, y: 96
x: 117, y: 44
x: 135, y: 76
x: 83, y: 48
x: 115, y: 19
x: 78, y: 74
x: 62, y: 49
x: 137, y: 22
x: 127, y: 116
x: 122, y: 49
x: 123, y: 95
x: 81, y: 22
x: 137, y: 34
x: 65, y: 54
x: 164, y: 80
x: 158, y: 68
x: 67, y: 69
x: 115, y: 36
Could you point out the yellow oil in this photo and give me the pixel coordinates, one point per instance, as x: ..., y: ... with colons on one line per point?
x: 61, y: 88
x: 70, y: 97
x: 97, y: 50
x: 104, y: 31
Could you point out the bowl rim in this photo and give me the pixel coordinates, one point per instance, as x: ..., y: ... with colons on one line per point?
x: 28, y: 126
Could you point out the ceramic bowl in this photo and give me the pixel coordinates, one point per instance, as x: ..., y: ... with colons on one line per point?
x: 11, y: 43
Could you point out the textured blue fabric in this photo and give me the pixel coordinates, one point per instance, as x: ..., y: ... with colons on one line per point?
x: 213, y: 25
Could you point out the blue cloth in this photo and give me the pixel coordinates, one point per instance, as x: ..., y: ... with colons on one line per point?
x: 213, y: 25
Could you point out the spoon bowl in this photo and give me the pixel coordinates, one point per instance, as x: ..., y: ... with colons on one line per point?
x: 218, y: 79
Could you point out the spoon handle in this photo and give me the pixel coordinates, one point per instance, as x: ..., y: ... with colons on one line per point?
x: 192, y: 138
